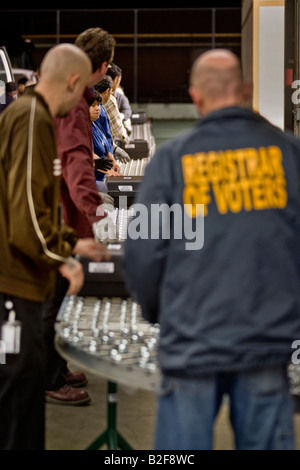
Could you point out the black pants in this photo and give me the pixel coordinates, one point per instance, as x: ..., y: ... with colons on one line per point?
x: 56, y: 365
x: 22, y: 382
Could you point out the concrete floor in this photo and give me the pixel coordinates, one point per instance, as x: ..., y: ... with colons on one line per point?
x: 164, y: 130
x: 76, y: 427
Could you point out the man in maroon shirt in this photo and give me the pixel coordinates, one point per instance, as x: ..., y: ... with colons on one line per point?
x: 80, y: 200
x: 80, y: 195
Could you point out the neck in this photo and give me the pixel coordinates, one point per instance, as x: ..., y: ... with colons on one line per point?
x: 210, y: 106
x: 44, y: 89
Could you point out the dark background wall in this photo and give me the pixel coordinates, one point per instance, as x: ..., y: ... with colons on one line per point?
x: 155, y: 47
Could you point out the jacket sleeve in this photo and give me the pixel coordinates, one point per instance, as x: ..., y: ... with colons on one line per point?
x: 124, y: 105
x: 103, y: 122
x: 33, y: 193
x: 74, y: 135
x: 145, y: 256
x: 116, y: 124
x: 99, y: 147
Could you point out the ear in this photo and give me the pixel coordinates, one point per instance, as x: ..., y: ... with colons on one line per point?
x: 196, y: 96
x: 73, y: 81
x: 103, y: 68
x: 247, y: 92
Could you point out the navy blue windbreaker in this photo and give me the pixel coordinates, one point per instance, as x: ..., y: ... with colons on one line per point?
x: 234, y: 303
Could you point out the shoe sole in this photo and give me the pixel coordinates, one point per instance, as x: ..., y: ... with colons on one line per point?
x: 78, y: 384
x: 54, y: 401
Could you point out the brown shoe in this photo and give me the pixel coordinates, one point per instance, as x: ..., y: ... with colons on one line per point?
x: 76, y: 379
x: 67, y: 395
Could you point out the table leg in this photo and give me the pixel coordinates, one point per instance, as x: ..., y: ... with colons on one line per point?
x: 111, y: 436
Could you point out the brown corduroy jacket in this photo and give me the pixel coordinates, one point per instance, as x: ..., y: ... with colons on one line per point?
x: 32, y: 243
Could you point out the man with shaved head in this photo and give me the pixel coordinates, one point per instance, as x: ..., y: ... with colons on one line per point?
x: 33, y: 245
x: 227, y: 298
x: 216, y: 81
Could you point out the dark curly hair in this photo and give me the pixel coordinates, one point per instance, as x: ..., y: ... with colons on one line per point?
x: 114, y: 71
x: 105, y: 83
x: 98, y: 44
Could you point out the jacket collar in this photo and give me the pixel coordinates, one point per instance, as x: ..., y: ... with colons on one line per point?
x: 232, y: 112
x: 39, y: 97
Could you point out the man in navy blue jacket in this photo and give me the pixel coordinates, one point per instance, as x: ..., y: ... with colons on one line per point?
x: 227, y: 298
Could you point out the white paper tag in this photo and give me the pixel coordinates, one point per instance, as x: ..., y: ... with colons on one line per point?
x: 11, y: 337
x: 114, y: 247
x: 125, y: 188
x: 107, y: 268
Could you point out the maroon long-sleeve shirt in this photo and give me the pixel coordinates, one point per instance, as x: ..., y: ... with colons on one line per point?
x: 79, y: 194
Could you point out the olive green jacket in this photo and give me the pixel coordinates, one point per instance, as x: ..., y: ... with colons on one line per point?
x: 32, y: 243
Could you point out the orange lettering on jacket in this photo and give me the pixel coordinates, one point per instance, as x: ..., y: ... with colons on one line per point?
x: 243, y: 179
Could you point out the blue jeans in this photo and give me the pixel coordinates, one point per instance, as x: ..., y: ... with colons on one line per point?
x: 261, y: 411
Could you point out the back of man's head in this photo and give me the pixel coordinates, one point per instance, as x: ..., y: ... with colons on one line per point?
x: 64, y: 60
x: 114, y: 71
x: 65, y: 73
x: 216, y: 77
x: 98, y: 44
x: 106, y: 83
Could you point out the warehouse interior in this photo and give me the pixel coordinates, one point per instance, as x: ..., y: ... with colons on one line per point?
x: 155, y: 49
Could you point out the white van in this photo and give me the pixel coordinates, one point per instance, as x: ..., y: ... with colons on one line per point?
x: 30, y: 75
x: 6, y: 74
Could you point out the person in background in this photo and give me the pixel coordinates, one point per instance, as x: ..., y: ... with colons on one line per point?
x: 33, y: 244
x: 30, y: 85
x: 104, y: 88
x: 11, y: 94
x: 22, y: 85
x: 123, y: 103
x: 225, y: 289
x: 110, y: 105
x: 103, y: 159
x: 81, y: 207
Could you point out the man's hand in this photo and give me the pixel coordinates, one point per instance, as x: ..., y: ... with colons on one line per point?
x: 73, y: 272
x: 89, y: 248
